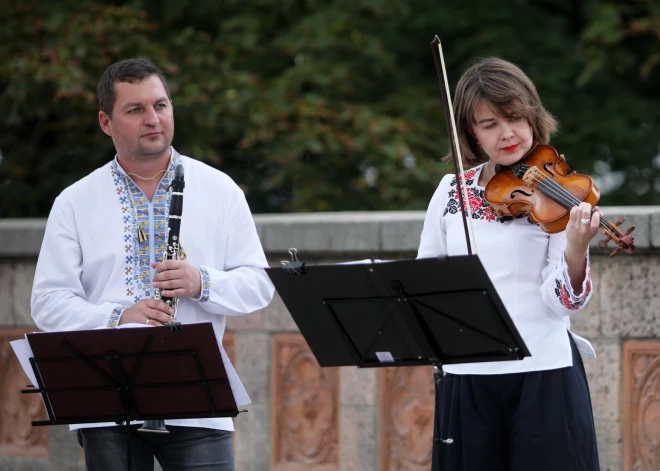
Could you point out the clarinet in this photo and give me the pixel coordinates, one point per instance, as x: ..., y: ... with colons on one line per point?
x: 173, y: 247
x: 173, y: 251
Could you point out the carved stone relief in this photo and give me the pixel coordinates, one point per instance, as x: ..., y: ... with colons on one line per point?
x: 406, y: 418
x: 17, y: 435
x: 305, y: 408
x: 642, y: 406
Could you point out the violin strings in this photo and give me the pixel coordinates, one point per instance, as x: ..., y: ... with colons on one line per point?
x: 566, y: 196
x: 558, y: 193
x: 563, y: 196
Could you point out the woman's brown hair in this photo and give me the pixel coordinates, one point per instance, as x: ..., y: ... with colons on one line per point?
x: 509, y: 92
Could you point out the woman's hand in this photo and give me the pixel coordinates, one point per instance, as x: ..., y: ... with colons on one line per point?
x: 581, y: 228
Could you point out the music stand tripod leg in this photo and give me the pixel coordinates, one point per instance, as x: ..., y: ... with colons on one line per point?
x: 128, y: 435
x: 438, y: 376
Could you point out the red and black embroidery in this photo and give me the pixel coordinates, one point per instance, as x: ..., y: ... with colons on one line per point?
x: 478, y: 205
x: 568, y: 301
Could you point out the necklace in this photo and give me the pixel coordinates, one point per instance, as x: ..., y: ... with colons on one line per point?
x: 146, y: 179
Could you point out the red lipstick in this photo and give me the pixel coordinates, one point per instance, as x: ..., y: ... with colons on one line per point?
x: 510, y: 148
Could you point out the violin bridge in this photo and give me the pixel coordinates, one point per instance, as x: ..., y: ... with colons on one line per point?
x: 533, y: 176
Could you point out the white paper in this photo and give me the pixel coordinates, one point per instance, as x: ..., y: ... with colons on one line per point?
x: 133, y: 325
x: 23, y: 352
x: 366, y: 261
x: 385, y: 357
x: 240, y: 394
x: 357, y: 262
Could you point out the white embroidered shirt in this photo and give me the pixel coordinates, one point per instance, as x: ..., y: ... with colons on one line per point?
x: 92, y: 266
x: 527, y: 268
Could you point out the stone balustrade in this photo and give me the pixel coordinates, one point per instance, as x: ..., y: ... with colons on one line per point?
x: 306, y: 417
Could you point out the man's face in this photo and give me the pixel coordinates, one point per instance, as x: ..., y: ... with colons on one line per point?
x: 142, y: 123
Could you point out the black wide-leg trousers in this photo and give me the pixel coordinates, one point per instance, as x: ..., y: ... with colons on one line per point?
x: 539, y: 420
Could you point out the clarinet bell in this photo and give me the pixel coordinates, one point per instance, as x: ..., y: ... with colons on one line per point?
x: 153, y: 426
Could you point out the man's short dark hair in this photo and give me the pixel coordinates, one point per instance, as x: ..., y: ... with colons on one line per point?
x: 131, y: 71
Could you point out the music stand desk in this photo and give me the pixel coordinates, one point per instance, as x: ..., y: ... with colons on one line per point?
x: 433, y: 311
x: 113, y: 375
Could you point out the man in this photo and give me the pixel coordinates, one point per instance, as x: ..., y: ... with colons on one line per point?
x: 101, y: 258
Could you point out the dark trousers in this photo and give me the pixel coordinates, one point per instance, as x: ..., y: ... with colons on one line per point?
x: 540, y: 420
x: 183, y: 448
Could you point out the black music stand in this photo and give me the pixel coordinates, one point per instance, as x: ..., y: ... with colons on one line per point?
x: 431, y: 311
x: 112, y: 375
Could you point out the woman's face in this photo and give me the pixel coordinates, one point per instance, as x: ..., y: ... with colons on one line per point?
x: 504, y: 140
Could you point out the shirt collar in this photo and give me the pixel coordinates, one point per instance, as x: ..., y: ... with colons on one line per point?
x: 175, y: 159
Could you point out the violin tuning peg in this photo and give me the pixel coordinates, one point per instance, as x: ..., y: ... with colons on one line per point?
x: 561, y: 156
x: 603, y: 243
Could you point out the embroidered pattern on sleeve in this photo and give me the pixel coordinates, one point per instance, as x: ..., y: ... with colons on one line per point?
x: 206, y: 285
x: 568, y: 300
x: 114, y: 317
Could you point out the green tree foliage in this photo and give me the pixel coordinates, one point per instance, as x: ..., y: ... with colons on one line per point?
x: 315, y: 105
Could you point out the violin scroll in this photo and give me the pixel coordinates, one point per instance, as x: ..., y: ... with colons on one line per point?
x: 624, y: 241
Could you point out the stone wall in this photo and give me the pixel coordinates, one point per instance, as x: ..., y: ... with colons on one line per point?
x: 303, y: 417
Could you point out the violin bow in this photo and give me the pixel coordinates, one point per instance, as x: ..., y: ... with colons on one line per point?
x: 454, y: 148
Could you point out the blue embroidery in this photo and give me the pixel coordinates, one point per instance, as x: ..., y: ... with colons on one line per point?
x: 114, y: 317
x: 137, y: 259
x: 206, y: 285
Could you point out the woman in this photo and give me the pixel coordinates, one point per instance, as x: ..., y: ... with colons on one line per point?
x: 533, y: 414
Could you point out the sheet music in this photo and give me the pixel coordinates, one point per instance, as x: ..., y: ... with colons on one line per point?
x: 357, y: 262
x: 23, y: 352
x: 366, y: 261
x: 240, y: 394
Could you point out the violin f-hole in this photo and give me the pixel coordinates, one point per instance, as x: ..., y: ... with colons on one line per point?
x: 513, y: 193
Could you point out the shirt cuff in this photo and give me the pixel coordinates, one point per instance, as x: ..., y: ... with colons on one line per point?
x: 564, y: 288
x: 115, y: 316
x: 205, y: 285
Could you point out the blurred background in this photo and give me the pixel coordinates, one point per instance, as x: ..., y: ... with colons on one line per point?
x: 324, y: 105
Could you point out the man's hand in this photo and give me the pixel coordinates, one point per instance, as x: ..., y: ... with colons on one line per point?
x: 147, y: 311
x: 176, y: 279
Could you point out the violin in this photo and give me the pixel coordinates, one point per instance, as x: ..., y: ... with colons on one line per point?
x: 542, y: 186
